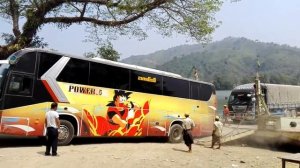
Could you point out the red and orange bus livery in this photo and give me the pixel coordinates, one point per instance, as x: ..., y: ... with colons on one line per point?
x: 98, y: 97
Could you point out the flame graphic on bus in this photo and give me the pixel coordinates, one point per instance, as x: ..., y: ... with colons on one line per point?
x: 100, y: 126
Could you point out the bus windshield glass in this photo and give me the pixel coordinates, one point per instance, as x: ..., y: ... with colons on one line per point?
x: 3, y: 71
x: 239, y: 98
x: 4, y: 65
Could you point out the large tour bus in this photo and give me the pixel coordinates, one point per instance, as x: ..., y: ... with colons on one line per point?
x: 281, y: 100
x: 98, y: 97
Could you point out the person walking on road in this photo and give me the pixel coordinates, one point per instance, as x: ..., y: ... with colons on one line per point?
x: 188, y: 125
x: 217, y: 133
x: 226, y: 115
x: 52, y: 124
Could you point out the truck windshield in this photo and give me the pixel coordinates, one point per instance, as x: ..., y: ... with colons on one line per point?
x: 240, y: 98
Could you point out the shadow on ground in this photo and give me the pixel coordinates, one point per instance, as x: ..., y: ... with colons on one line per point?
x: 103, y: 140
x: 16, y: 141
x: 180, y: 150
x: 249, y: 141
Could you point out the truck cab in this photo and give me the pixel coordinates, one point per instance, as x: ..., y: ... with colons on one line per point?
x: 241, y: 103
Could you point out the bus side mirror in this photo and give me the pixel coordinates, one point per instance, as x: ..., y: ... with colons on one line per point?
x: 13, y: 60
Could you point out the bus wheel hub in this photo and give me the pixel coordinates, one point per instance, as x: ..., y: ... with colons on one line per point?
x: 64, y: 132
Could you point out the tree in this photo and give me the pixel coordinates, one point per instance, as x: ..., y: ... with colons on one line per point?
x: 108, y: 52
x: 36, y: 42
x: 105, y: 51
x: 109, y: 17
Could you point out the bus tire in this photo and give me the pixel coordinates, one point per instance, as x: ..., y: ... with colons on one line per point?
x: 66, y: 133
x: 175, y: 135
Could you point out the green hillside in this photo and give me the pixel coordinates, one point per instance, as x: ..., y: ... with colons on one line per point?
x: 157, y: 58
x: 231, y: 62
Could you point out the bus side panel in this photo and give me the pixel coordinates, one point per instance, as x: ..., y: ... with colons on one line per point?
x: 151, y: 114
x: 25, y: 121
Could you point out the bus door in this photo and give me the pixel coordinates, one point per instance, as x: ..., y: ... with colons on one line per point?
x: 17, y: 99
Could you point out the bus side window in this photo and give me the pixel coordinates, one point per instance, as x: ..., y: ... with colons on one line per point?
x: 46, y: 62
x: 194, y: 91
x: 205, y: 91
x: 26, y: 63
x: 109, y: 76
x: 76, y: 71
x: 175, y: 87
x: 20, y: 85
x: 145, y: 82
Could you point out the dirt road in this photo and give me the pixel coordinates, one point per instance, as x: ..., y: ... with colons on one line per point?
x: 140, y: 155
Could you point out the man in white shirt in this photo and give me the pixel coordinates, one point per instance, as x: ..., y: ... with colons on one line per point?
x: 52, y: 124
x: 188, y: 125
x: 217, y: 132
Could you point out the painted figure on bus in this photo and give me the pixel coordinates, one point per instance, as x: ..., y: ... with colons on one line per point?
x: 123, y: 117
x: 120, y: 112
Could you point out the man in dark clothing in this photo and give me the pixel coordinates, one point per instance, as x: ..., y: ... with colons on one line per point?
x: 52, y: 124
x: 188, y: 125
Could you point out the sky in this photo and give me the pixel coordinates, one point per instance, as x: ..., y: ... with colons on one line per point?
x: 263, y: 20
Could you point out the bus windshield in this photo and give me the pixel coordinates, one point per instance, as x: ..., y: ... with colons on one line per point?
x: 3, y: 71
x: 240, y: 98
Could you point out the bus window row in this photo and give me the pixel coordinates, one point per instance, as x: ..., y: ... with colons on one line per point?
x: 102, y: 75
x: 97, y: 74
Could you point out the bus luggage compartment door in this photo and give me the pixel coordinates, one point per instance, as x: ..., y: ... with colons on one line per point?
x: 156, y: 125
x: 15, y: 126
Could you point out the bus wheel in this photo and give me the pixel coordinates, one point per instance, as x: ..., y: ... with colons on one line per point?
x: 66, y: 133
x: 175, y: 135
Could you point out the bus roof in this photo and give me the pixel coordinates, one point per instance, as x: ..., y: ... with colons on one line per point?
x: 136, y: 67
x: 118, y: 64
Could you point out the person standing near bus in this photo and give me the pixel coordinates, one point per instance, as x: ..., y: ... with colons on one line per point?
x: 217, y: 133
x: 226, y: 115
x: 52, y: 124
x: 188, y: 125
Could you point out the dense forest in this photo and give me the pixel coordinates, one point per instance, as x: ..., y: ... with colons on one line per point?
x: 229, y: 62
